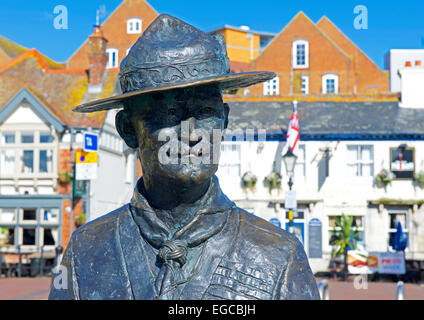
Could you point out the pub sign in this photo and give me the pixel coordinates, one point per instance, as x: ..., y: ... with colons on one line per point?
x: 402, y: 162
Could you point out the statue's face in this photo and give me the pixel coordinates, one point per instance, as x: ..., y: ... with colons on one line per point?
x: 178, y: 132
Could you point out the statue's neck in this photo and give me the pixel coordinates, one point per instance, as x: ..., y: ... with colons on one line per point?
x: 171, y: 199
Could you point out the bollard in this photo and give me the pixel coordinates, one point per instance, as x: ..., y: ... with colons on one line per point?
x: 399, y: 290
x: 324, y: 292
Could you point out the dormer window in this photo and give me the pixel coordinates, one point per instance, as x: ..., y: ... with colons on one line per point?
x: 112, y: 61
x: 134, y: 26
x: 300, y: 54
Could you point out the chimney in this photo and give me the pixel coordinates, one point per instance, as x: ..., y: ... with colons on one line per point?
x: 98, y: 59
x: 408, y: 64
x: 418, y: 63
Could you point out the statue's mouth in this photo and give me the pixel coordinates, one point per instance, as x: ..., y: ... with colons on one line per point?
x: 184, y: 154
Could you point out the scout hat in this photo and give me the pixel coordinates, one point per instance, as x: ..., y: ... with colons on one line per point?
x: 172, y: 54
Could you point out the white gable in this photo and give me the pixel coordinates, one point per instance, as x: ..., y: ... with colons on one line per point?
x: 23, y: 114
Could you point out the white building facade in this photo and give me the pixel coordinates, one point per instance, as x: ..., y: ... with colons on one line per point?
x: 335, y: 173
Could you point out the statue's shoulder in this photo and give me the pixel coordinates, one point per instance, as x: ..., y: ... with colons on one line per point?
x: 255, y: 229
x: 258, y: 235
x: 103, y: 227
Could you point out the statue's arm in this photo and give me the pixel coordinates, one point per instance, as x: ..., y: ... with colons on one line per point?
x: 298, y: 281
x: 64, y: 284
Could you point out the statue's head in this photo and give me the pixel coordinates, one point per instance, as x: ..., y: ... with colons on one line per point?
x: 177, y: 133
x: 171, y: 82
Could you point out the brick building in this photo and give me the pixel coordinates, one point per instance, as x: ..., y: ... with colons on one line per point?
x: 300, y: 53
x: 243, y: 45
x: 122, y: 28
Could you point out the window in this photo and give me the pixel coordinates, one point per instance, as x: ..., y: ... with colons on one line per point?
x: 7, y: 215
x: 27, y: 137
x: 330, y: 83
x: 358, y: 225
x: 7, y: 162
x: 300, y: 54
x: 272, y: 87
x: 8, y: 138
x: 46, y: 137
x: 112, y: 61
x: 29, y: 215
x: 134, y: 26
x: 31, y: 230
x: 396, y: 216
x: 27, y: 161
x: 46, y: 161
x: 50, y: 215
x: 360, y: 160
x: 229, y: 164
x: 299, y: 170
x: 28, y: 237
x: 8, y: 236
x: 26, y: 153
x: 305, y: 84
x: 49, y: 236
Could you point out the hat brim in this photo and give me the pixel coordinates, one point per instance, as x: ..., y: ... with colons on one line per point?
x: 226, y: 82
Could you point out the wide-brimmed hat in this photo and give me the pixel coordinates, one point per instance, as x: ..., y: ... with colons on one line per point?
x: 172, y: 54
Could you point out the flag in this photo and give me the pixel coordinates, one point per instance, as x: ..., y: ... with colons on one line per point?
x: 293, y: 132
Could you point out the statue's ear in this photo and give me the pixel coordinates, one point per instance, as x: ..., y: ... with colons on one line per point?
x: 226, y: 112
x: 126, y: 129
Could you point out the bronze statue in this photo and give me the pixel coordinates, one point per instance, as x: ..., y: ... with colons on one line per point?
x: 180, y: 237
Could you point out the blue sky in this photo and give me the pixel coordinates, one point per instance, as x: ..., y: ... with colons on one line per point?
x: 391, y: 24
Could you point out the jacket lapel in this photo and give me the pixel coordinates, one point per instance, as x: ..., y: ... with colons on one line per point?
x: 135, y: 256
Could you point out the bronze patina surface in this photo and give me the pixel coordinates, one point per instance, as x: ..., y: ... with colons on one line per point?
x: 180, y: 237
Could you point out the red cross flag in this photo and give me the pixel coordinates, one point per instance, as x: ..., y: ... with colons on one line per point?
x: 293, y: 132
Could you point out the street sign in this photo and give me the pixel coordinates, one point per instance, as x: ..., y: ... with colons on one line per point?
x: 290, y: 200
x: 276, y: 222
x: 86, y: 165
x: 91, y: 142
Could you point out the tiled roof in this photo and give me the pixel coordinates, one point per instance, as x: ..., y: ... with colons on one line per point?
x: 330, y: 120
x: 10, y: 48
x: 58, y: 90
x: 13, y: 50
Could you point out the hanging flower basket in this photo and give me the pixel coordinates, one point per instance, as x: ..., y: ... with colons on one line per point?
x: 248, y: 180
x: 420, y: 179
x: 273, y: 181
x: 383, y: 178
x: 80, y: 219
x: 65, y: 177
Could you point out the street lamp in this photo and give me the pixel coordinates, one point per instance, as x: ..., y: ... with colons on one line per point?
x: 290, y: 161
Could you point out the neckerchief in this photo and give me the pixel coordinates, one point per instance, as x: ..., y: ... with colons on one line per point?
x: 213, y: 209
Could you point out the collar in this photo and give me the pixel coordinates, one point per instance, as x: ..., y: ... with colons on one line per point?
x: 212, y: 213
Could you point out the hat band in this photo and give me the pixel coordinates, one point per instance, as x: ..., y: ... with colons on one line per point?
x: 150, y: 77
